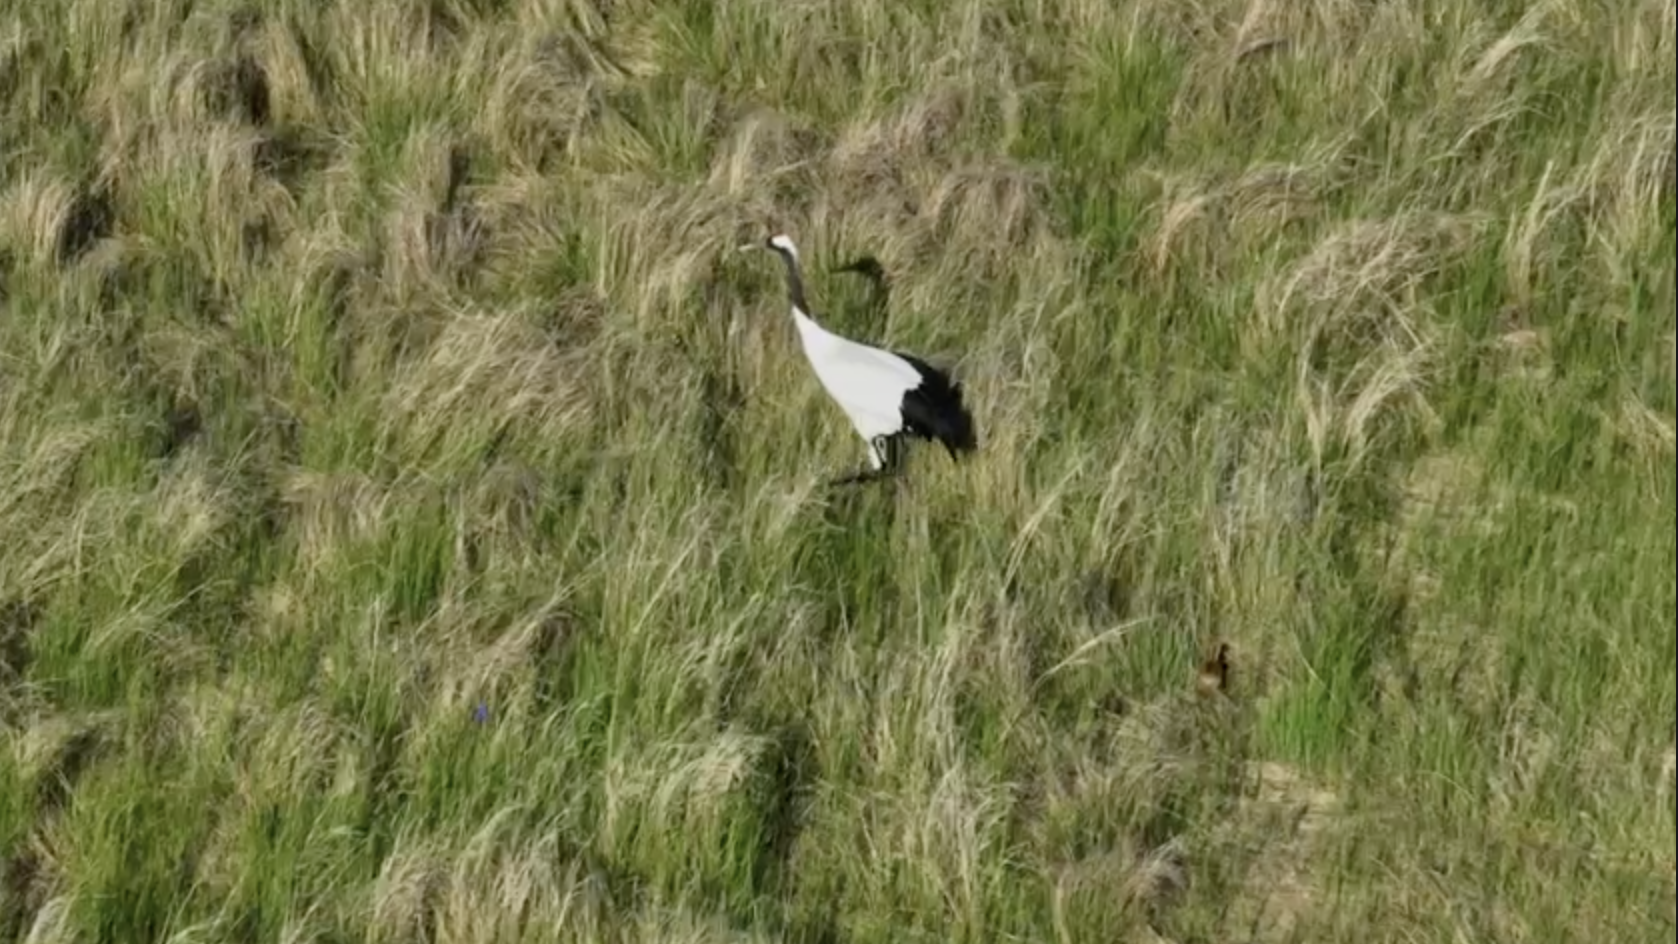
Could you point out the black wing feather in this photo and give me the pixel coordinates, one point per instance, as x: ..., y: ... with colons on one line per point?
x: 934, y: 409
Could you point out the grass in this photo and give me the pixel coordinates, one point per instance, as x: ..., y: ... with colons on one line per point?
x: 411, y: 504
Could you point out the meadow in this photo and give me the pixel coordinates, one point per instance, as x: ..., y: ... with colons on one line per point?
x: 412, y: 519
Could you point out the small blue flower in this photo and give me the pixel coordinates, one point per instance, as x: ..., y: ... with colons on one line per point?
x: 480, y: 714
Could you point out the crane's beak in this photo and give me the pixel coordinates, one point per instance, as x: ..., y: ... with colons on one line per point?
x: 746, y: 246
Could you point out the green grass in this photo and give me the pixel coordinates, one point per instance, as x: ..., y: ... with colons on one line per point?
x: 362, y: 363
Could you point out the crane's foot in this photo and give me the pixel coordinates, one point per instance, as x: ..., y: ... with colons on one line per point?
x: 865, y: 476
x: 862, y: 477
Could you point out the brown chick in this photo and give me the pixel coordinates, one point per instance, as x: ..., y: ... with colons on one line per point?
x: 1214, y: 672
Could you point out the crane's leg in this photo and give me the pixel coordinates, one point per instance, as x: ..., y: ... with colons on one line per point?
x: 890, y: 451
x: 885, y: 459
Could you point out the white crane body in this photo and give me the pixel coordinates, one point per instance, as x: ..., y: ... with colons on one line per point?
x: 887, y: 395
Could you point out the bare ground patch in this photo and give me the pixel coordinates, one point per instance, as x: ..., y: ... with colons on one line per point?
x: 1286, y: 827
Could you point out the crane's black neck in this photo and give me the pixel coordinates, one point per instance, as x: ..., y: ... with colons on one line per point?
x: 795, y: 280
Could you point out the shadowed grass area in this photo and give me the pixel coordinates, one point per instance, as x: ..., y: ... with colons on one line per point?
x: 412, y: 509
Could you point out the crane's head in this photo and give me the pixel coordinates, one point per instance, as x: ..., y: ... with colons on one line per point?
x: 782, y: 243
x: 779, y: 242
